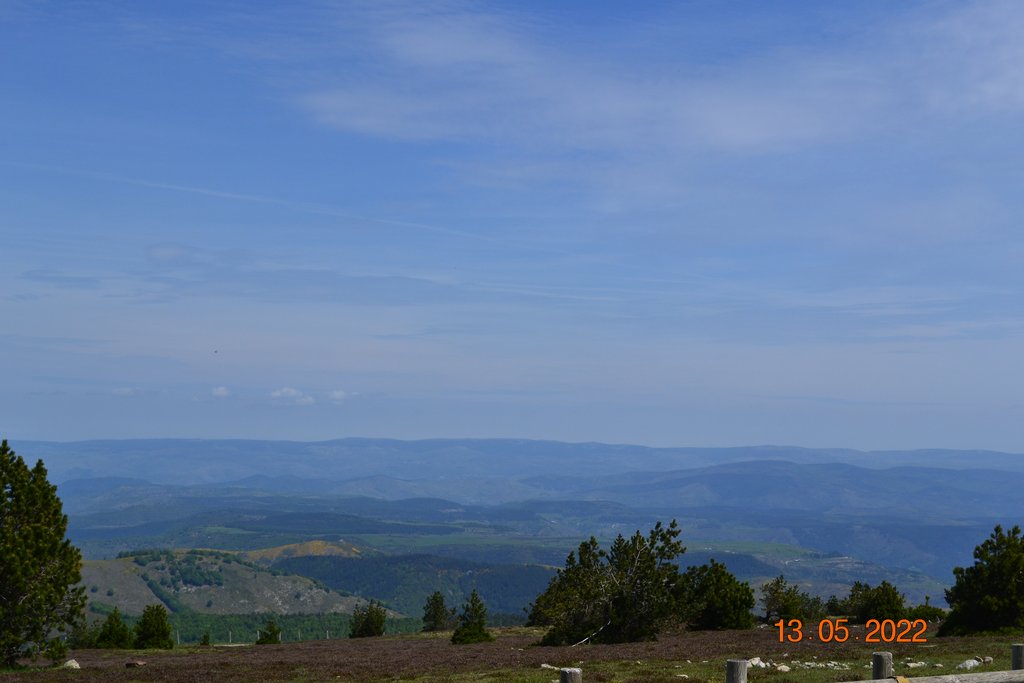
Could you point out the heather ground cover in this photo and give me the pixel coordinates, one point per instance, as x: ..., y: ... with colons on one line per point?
x: 690, y: 656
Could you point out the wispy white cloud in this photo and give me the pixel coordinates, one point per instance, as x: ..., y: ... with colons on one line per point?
x: 456, y: 73
x: 220, y: 392
x: 292, y: 396
x: 338, y: 396
x: 977, y: 49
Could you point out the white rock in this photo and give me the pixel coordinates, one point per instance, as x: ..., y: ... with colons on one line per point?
x: 915, y: 665
x: 937, y: 666
x: 755, y: 661
x: 71, y: 664
x: 782, y: 667
x: 968, y: 664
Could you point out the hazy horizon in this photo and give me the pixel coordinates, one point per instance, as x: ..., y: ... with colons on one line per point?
x: 668, y: 225
x: 14, y: 439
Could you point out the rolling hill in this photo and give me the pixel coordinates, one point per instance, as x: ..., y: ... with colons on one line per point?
x: 206, y: 582
x: 824, y: 517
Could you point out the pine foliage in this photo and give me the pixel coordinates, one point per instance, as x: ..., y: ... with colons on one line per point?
x: 436, y: 615
x: 989, y: 596
x: 711, y: 598
x: 472, y: 626
x: 270, y: 634
x: 153, y: 629
x: 623, y: 594
x: 114, y: 633
x: 864, y: 602
x: 368, y: 621
x: 38, y: 566
x: 784, y: 601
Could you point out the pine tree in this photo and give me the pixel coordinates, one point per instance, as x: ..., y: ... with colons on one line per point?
x: 472, y: 626
x: 711, y: 598
x: 114, y: 633
x: 270, y: 634
x: 926, y: 611
x: 38, y: 566
x: 886, y: 603
x: 783, y: 601
x: 620, y: 595
x: 368, y: 622
x: 436, y: 615
x: 153, y: 629
x: 864, y: 602
x: 989, y: 595
x: 643, y: 573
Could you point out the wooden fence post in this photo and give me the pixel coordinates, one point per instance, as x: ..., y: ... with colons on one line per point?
x: 1017, y: 658
x: 736, y: 671
x: 570, y: 676
x: 881, y: 665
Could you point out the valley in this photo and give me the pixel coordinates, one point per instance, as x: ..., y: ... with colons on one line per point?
x: 822, y: 524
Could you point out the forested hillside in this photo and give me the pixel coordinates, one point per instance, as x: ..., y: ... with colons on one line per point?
x: 404, y: 582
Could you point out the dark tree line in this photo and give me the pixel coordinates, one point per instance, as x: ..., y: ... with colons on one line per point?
x: 781, y: 600
x: 152, y: 630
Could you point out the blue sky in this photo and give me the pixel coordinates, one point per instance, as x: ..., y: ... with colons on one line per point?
x: 693, y: 223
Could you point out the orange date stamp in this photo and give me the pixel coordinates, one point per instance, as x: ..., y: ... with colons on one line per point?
x: 836, y: 631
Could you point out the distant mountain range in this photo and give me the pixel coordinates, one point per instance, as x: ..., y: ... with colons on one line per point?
x: 198, y: 461
x: 819, y: 515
